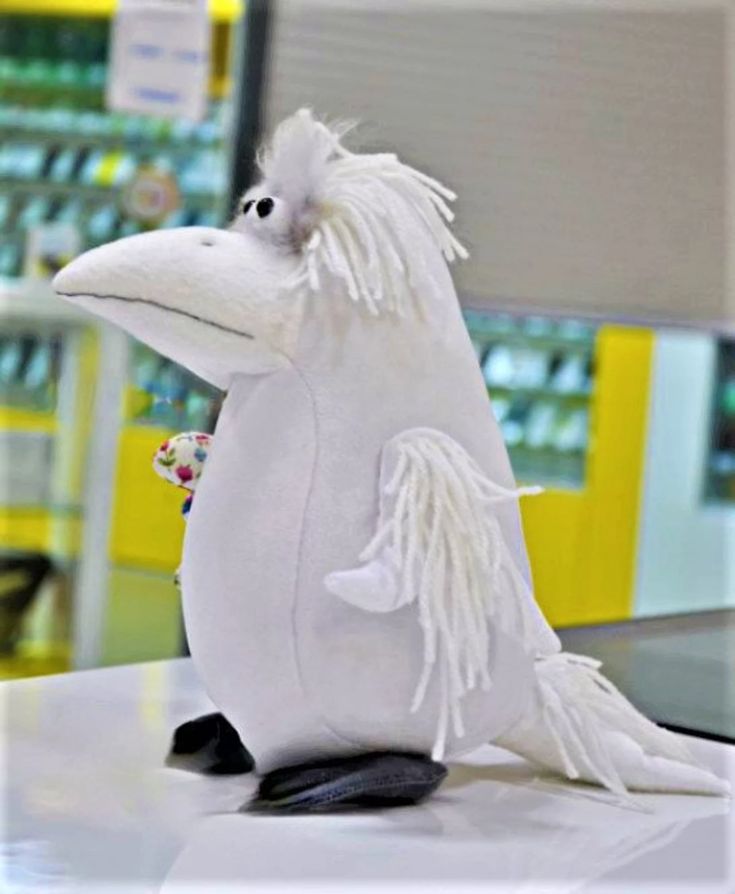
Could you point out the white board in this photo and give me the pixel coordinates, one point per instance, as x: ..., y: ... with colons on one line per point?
x: 159, y: 58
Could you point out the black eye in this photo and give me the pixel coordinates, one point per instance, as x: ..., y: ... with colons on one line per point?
x: 264, y: 207
x: 247, y: 206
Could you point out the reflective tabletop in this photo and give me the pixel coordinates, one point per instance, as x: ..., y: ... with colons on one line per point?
x: 89, y: 806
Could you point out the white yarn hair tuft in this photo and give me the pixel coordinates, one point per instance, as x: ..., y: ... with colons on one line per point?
x: 361, y: 218
x: 441, y: 541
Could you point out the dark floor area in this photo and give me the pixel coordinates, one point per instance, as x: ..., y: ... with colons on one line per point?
x: 679, y: 670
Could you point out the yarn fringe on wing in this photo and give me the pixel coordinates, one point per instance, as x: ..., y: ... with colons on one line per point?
x: 438, y: 528
x: 360, y: 218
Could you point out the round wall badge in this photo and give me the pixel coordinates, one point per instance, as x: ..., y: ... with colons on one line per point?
x: 151, y: 195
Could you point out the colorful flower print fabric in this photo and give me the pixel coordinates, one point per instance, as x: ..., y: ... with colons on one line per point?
x: 181, y: 459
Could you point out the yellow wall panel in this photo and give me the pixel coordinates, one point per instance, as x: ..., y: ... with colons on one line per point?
x: 142, y: 619
x: 582, y: 544
x: 615, y: 475
x: 25, y: 529
x: 553, y: 522
x: 147, y: 525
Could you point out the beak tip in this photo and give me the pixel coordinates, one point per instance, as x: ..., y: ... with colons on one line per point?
x: 61, y: 282
x: 71, y: 280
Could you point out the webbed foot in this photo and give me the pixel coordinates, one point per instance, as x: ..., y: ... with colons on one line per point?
x: 378, y: 779
x: 209, y: 744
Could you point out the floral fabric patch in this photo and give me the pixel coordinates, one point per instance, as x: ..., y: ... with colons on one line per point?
x: 181, y: 459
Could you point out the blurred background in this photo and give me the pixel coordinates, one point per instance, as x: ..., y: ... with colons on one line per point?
x: 591, y: 144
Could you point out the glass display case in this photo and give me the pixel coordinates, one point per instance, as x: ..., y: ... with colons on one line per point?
x: 44, y: 415
x: 79, y: 415
x: 539, y: 374
x: 29, y: 367
x: 720, y: 469
x: 29, y: 374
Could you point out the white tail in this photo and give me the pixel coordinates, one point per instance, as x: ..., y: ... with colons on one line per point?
x: 578, y: 724
x: 439, y: 544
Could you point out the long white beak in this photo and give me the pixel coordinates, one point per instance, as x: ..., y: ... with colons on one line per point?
x: 208, y: 299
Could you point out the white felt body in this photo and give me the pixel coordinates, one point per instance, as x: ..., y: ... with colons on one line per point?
x: 336, y: 330
x: 290, y: 494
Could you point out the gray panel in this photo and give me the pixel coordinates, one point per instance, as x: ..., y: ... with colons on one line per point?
x: 587, y: 146
x: 26, y: 457
x: 677, y: 670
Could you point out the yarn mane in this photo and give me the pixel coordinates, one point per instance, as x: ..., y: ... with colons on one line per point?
x: 363, y: 219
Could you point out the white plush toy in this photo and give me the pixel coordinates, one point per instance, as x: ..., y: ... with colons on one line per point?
x: 356, y: 591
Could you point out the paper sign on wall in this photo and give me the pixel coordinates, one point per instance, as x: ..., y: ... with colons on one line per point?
x: 159, y: 58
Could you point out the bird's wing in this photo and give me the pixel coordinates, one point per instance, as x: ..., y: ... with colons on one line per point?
x: 439, y: 545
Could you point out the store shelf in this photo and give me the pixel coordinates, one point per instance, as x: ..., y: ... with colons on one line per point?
x: 24, y: 419
x: 552, y: 467
x: 546, y: 343
x: 35, y: 301
x: 572, y: 397
x: 26, y: 90
x: 91, y: 190
x: 220, y: 10
x: 539, y: 373
x: 545, y: 332
x: 22, y: 665
x: 139, y: 142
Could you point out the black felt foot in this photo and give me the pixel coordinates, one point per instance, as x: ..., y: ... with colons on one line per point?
x: 209, y: 744
x: 379, y: 779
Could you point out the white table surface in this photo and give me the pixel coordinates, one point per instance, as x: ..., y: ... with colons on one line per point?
x: 90, y: 807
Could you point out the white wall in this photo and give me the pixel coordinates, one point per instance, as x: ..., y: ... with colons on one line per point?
x: 686, y: 556
x: 587, y: 143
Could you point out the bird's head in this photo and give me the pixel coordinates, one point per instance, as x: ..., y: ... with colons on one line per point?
x: 231, y: 301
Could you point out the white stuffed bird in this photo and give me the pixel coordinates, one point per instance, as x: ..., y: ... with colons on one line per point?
x: 355, y: 584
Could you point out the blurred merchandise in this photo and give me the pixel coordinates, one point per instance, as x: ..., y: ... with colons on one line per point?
x: 720, y: 471
x: 49, y: 247
x: 74, y: 175
x: 21, y: 576
x: 539, y: 375
x: 44, y: 408
x: 29, y: 369
x: 163, y: 394
x: 64, y: 158
x: 572, y: 401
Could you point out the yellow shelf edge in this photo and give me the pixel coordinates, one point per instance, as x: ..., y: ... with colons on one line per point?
x: 220, y: 10
x: 22, y: 419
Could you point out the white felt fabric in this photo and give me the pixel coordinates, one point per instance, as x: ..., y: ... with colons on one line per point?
x: 296, y: 669
x: 204, y: 297
x: 329, y: 347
